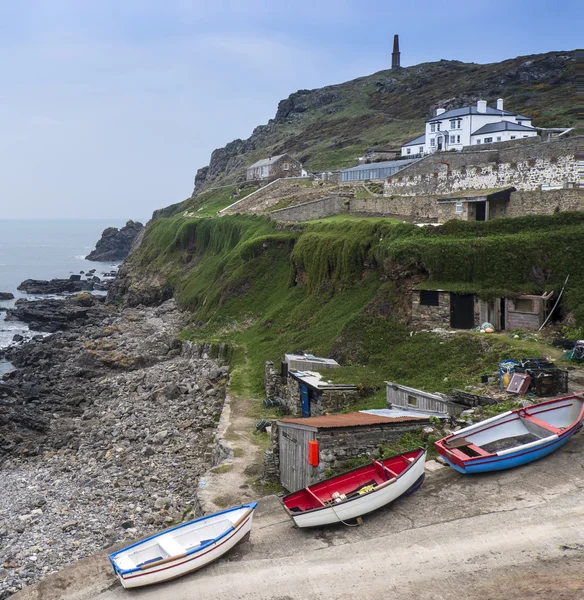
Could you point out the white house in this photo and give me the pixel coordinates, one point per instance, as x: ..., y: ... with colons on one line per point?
x: 471, y: 125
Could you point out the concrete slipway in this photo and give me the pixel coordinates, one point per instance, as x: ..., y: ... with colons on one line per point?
x: 515, y: 535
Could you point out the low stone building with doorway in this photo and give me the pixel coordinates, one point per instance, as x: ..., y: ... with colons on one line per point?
x: 339, y: 439
x: 443, y: 308
x: 274, y: 167
x: 306, y: 393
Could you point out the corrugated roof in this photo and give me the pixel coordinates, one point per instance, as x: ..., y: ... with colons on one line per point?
x: 502, y: 126
x: 381, y: 165
x: 266, y: 161
x: 353, y: 419
x: 421, y: 139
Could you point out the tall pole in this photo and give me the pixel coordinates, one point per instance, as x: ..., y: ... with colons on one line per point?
x: 395, y: 55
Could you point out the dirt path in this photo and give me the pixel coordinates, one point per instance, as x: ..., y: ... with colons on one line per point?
x: 230, y: 483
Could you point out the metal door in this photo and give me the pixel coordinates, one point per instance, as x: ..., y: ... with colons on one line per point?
x: 305, y: 401
x: 461, y: 311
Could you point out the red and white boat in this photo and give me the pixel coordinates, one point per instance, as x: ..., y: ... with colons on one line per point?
x: 356, y: 492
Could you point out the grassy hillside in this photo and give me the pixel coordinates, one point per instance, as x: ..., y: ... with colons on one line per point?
x: 329, y: 128
x: 342, y: 288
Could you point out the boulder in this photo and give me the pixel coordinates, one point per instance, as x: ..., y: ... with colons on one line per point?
x: 115, y: 244
x: 6, y: 296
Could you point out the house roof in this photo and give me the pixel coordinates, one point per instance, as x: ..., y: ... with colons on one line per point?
x: 502, y: 126
x: 381, y: 165
x: 353, y: 419
x: 472, y: 110
x: 267, y: 161
x: 421, y: 139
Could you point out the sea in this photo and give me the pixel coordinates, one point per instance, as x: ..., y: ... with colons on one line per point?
x: 44, y: 249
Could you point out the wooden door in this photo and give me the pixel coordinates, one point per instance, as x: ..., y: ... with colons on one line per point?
x: 295, y: 472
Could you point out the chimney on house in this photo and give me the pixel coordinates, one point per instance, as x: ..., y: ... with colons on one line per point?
x: 500, y: 104
x: 481, y: 106
x: 395, y: 55
x: 440, y: 111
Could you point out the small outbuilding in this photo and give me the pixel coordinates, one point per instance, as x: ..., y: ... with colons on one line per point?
x: 377, y: 170
x: 443, y: 308
x: 414, y: 401
x: 274, y: 167
x: 303, y: 450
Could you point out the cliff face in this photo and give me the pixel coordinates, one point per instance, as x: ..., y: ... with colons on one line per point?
x: 328, y: 128
x: 115, y: 244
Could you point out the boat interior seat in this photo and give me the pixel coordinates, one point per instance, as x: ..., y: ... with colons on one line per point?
x: 170, y: 546
x: 199, y: 535
x: 537, y: 426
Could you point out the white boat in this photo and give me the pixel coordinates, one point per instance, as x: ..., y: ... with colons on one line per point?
x: 356, y: 492
x: 182, y: 549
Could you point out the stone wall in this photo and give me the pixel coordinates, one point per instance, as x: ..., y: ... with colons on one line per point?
x: 523, y: 166
x: 539, y: 202
x: 332, y: 401
x: 339, y: 445
x: 317, y: 209
x: 431, y: 316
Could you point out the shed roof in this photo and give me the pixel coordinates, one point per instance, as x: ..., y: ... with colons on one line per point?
x: 473, y: 194
x: 381, y: 165
x: 502, y: 126
x: 353, y: 419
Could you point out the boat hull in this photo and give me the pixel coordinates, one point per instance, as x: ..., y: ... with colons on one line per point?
x: 513, y: 438
x: 172, y: 569
x: 516, y: 459
x: 405, y: 484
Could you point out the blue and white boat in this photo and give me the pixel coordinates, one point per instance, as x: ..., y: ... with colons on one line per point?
x: 182, y: 549
x: 515, y: 437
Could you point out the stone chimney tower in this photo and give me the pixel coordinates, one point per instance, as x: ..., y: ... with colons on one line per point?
x: 396, y: 53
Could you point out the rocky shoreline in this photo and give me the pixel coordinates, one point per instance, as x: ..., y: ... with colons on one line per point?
x: 106, y: 427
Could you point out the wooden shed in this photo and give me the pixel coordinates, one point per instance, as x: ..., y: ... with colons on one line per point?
x: 305, y: 448
x: 415, y: 400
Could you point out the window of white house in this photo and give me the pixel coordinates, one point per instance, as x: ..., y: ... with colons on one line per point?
x: 432, y: 126
x: 285, y: 166
x: 453, y: 139
x: 453, y: 124
x: 488, y: 140
x: 433, y: 142
x: 458, y: 209
x: 409, y: 150
x: 438, y: 126
x: 498, y: 138
x: 525, y: 136
x: 478, y: 141
x: 512, y: 137
x: 459, y: 123
x: 421, y: 149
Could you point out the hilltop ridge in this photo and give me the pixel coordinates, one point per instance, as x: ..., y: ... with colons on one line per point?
x: 327, y: 128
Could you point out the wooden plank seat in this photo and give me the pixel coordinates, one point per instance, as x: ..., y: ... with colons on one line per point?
x: 478, y: 450
x: 171, y: 547
x: 540, y: 423
x: 313, y: 495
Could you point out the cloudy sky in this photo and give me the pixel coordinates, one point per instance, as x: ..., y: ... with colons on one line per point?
x: 108, y: 107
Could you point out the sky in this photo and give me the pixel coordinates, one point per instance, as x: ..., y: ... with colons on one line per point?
x: 109, y: 107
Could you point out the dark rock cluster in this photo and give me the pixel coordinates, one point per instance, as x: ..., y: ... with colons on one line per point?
x: 115, y: 244
x: 105, y: 428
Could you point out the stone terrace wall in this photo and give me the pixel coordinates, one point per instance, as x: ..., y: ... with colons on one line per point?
x: 317, y: 209
x: 524, y: 166
x: 538, y: 202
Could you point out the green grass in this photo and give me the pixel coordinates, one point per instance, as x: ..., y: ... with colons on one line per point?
x: 340, y: 287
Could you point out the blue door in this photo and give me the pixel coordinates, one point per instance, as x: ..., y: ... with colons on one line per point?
x: 305, y: 404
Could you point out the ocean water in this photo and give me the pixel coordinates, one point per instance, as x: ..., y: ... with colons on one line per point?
x: 44, y: 249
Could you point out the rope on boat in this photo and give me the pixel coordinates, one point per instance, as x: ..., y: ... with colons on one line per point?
x: 344, y: 522
x: 276, y: 523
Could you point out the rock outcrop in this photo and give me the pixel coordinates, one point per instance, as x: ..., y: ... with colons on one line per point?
x: 6, y: 296
x: 115, y: 244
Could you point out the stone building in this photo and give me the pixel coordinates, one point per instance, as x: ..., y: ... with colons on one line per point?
x: 340, y: 438
x: 274, y: 167
x: 305, y: 393
x: 442, y: 308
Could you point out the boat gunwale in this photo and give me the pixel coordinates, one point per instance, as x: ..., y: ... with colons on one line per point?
x: 495, y: 457
x: 377, y: 488
x: 196, y: 549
